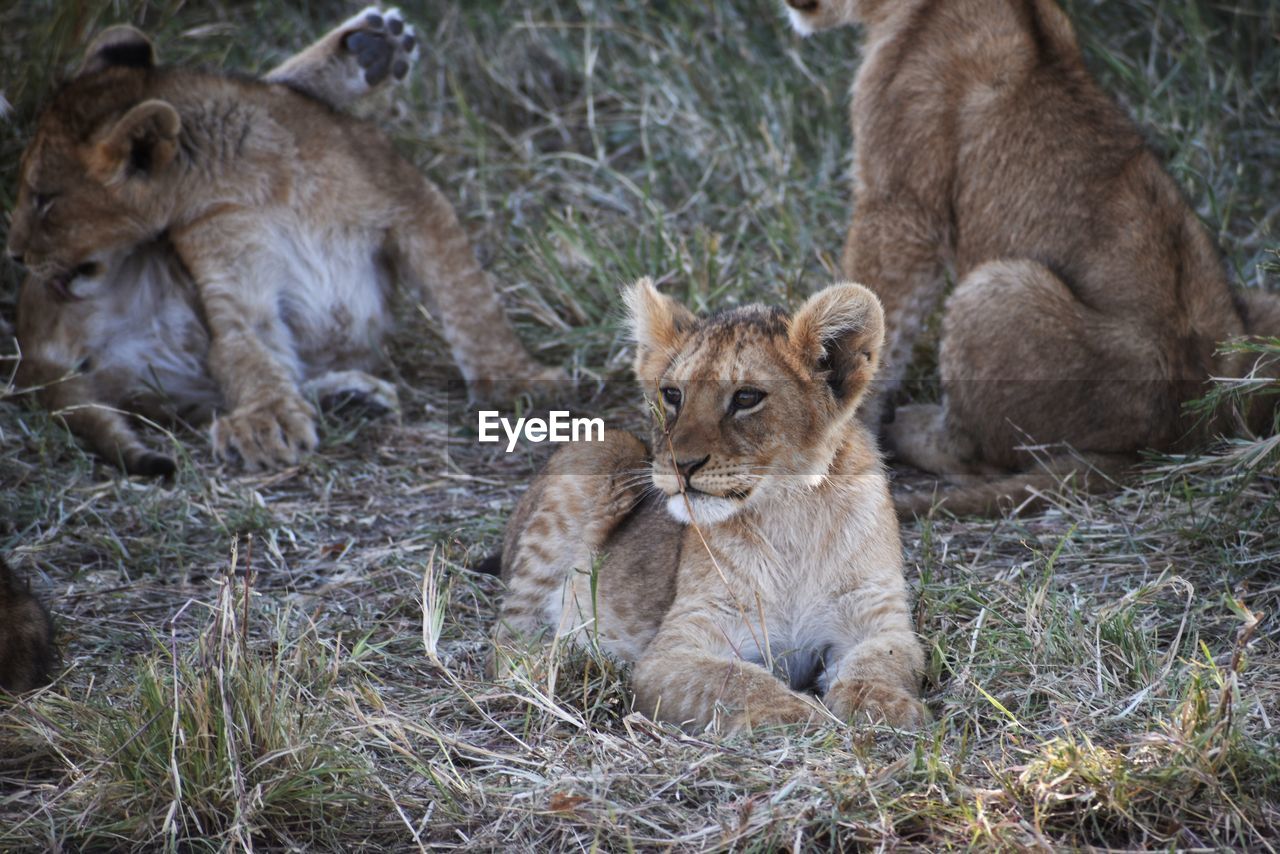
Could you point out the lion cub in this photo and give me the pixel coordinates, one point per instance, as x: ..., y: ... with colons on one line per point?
x: 752, y: 554
x: 26, y: 636
x: 205, y: 244
x: 1090, y: 301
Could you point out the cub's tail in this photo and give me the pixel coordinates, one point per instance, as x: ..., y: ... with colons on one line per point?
x: 1022, y: 492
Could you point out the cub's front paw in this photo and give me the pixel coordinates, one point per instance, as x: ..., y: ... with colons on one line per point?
x: 266, y: 435
x: 859, y: 700
x: 785, y: 710
x: 380, y: 45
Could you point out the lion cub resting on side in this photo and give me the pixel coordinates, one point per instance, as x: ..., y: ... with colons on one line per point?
x: 789, y: 578
x: 200, y: 243
x: 1090, y: 301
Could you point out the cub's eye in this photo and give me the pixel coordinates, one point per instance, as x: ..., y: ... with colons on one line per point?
x: 41, y: 202
x: 746, y: 398
x: 672, y: 396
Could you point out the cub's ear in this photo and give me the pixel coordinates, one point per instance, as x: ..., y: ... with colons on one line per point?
x: 659, y: 325
x: 122, y: 46
x: 839, y: 332
x: 143, y: 140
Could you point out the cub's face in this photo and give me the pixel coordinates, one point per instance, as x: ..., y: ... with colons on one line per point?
x: 750, y: 404
x: 93, y: 179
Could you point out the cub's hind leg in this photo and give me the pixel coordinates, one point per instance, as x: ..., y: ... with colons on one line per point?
x: 1036, y: 387
x: 434, y: 257
x: 1024, y: 362
x: 366, y: 53
x: 555, y: 537
x: 893, y: 247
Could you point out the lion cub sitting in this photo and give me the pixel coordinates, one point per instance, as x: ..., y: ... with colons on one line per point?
x: 750, y: 556
x: 205, y: 244
x: 1090, y: 301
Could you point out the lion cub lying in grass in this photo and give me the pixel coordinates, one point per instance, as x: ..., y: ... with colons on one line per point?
x: 1090, y: 302
x: 752, y: 555
x: 201, y: 243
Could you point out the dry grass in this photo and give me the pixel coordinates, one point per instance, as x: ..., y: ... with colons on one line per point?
x: 249, y: 661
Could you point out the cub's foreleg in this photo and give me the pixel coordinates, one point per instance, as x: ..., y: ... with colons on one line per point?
x: 554, y: 540
x: 875, y: 668
x: 251, y: 352
x: 364, y: 54
x: 691, y: 676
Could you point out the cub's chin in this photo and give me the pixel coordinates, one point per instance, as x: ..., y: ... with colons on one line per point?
x: 707, y: 509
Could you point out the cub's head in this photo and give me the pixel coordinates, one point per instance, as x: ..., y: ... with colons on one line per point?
x: 809, y: 16
x: 751, y: 404
x: 93, y: 178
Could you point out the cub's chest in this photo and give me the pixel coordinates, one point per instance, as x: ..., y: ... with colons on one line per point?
x: 772, y: 603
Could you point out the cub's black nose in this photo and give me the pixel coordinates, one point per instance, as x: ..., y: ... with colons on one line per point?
x: 803, y: 5
x: 688, y: 467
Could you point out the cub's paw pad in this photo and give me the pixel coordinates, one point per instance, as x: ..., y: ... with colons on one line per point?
x: 382, y: 45
x: 266, y: 435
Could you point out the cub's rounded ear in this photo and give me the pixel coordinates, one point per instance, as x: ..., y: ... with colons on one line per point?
x: 119, y: 46
x: 142, y: 141
x: 659, y: 325
x: 839, y: 332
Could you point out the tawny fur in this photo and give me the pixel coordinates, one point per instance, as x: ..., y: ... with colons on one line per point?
x: 1090, y: 301
x: 26, y: 636
x: 204, y: 244
x: 789, y: 578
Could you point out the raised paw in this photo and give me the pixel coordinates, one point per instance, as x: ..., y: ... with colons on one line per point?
x: 266, y: 435
x: 855, y: 699
x: 381, y: 45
